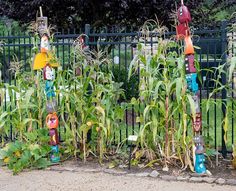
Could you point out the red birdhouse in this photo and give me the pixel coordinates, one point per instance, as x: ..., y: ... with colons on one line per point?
x: 189, y: 64
x: 182, y: 30
x: 54, y: 140
x: 197, y: 123
x: 183, y: 14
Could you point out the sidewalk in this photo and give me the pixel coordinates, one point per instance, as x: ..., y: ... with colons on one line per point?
x: 88, y: 179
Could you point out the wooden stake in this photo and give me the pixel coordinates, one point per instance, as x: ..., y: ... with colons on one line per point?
x: 41, y: 11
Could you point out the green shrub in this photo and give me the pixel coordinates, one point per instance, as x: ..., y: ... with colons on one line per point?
x: 32, y: 153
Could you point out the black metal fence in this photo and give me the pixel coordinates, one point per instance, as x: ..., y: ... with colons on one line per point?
x: 121, y: 47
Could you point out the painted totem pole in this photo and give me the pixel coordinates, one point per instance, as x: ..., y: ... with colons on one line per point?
x: 43, y: 60
x: 183, y: 33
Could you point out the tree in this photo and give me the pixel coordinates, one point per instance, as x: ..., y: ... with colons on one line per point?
x: 210, y: 12
x: 76, y: 13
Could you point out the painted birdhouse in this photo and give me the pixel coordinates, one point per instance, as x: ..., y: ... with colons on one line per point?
x: 183, y: 14
x: 48, y: 73
x: 44, y: 44
x: 42, y: 23
x: 52, y: 121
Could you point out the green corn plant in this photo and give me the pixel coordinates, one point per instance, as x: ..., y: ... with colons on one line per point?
x: 89, y: 102
x: 21, y: 104
x: 163, y: 98
x: 23, y: 113
x: 227, y: 69
x: 30, y: 148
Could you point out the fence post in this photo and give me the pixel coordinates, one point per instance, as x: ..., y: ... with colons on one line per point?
x: 223, y: 78
x: 87, y: 32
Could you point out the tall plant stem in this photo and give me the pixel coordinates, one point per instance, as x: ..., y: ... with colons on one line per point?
x: 30, y: 123
x: 172, y: 135
x: 39, y: 98
x: 101, y: 148
x: 73, y: 128
x: 84, y: 145
x: 167, y: 126
x: 20, y: 120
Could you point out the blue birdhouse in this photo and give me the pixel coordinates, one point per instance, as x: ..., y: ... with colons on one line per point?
x: 192, y: 82
x: 199, y: 164
x: 49, y: 89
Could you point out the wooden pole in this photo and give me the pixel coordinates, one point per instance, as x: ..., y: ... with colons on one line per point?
x: 41, y: 11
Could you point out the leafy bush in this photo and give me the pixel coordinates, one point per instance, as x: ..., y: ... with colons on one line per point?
x: 32, y: 153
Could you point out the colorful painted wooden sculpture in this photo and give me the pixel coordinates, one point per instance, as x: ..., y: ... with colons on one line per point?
x: 183, y: 33
x: 45, y: 56
x: 45, y: 60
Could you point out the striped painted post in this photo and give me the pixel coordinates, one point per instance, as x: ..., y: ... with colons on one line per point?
x: 183, y: 33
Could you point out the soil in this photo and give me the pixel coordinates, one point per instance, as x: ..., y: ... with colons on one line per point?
x: 222, y: 169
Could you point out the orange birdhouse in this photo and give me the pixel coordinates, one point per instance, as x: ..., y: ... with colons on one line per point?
x: 188, y: 45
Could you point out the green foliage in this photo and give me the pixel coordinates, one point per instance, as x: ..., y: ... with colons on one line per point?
x: 131, y: 86
x: 22, y: 114
x: 210, y: 12
x: 89, y: 101
x: 9, y: 26
x: 77, y: 13
x: 164, y: 103
x: 32, y: 153
x: 89, y: 93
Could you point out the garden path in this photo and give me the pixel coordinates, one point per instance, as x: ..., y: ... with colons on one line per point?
x: 80, y: 180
